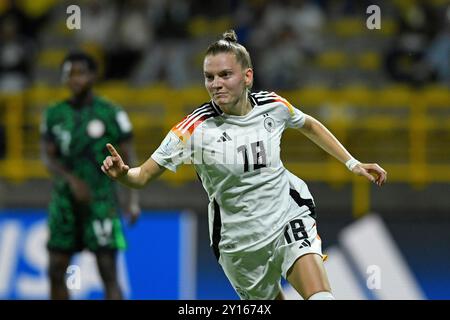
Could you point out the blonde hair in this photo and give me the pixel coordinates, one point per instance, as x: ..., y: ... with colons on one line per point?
x: 228, y: 43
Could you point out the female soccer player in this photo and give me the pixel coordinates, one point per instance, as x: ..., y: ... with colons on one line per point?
x: 261, y: 217
x: 83, y: 210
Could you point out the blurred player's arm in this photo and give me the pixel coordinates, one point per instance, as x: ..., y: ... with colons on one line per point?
x: 132, y: 209
x: 321, y: 136
x: 49, y: 155
x: 138, y: 177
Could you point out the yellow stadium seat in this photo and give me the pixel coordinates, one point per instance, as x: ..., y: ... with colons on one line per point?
x: 332, y: 60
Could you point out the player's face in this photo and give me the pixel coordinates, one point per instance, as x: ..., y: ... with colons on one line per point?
x: 78, y: 77
x: 225, y: 79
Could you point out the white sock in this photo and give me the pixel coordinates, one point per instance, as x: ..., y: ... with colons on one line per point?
x: 322, y: 295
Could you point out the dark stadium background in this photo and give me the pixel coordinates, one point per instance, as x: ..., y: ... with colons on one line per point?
x: 383, y: 92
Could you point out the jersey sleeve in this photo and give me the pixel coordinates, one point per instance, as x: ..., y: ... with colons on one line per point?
x: 293, y: 117
x: 172, y: 152
x: 124, y: 124
x: 296, y: 118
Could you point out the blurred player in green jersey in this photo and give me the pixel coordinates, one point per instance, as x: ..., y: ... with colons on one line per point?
x: 83, y: 211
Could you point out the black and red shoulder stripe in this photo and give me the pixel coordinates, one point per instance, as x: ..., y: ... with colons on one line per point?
x: 185, y: 128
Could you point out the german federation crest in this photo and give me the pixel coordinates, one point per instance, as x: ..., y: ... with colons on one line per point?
x: 269, y: 124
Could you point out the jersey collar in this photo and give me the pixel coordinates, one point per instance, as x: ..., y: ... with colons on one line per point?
x: 216, y: 108
x: 252, y: 100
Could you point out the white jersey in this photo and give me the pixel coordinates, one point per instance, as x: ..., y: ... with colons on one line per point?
x: 237, y: 158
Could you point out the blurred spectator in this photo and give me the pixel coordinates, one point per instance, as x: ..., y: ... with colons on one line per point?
x: 98, y: 20
x: 438, y: 53
x: 244, y: 18
x: 166, y: 59
x: 30, y: 16
x: 273, y: 20
x: 404, y: 61
x: 419, y: 18
x: 149, y: 41
x: 289, y: 30
x: 132, y: 36
x: 306, y: 20
x: 16, y: 54
x: 284, y: 71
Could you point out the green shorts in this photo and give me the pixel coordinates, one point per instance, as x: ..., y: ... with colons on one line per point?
x: 74, y: 227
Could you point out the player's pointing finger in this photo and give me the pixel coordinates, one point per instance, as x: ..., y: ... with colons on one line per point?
x: 112, y: 150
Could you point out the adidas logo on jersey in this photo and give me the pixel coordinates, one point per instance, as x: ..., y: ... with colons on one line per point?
x: 305, y: 243
x: 224, y: 137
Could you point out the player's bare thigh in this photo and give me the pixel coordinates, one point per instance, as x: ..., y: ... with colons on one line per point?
x: 308, y: 276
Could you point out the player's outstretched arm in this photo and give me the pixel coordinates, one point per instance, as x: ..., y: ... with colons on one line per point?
x: 114, y: 167
x: 321, y: 136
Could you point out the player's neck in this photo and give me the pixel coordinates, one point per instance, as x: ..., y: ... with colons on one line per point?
x: 241, y: 108
x: 82, y: 99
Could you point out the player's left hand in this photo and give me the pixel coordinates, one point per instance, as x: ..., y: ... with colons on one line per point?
x: 371, y: 171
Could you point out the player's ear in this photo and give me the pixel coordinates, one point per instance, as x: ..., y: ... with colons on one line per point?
x: 248, y: 77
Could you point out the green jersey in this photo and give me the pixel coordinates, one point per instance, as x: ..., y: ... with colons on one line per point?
x: 80, y: 135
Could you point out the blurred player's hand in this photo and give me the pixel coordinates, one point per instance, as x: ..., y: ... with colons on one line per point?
x: 113, y: 165
x: 132, y: 213
x: 80, y: 190
x: 371, y: 171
